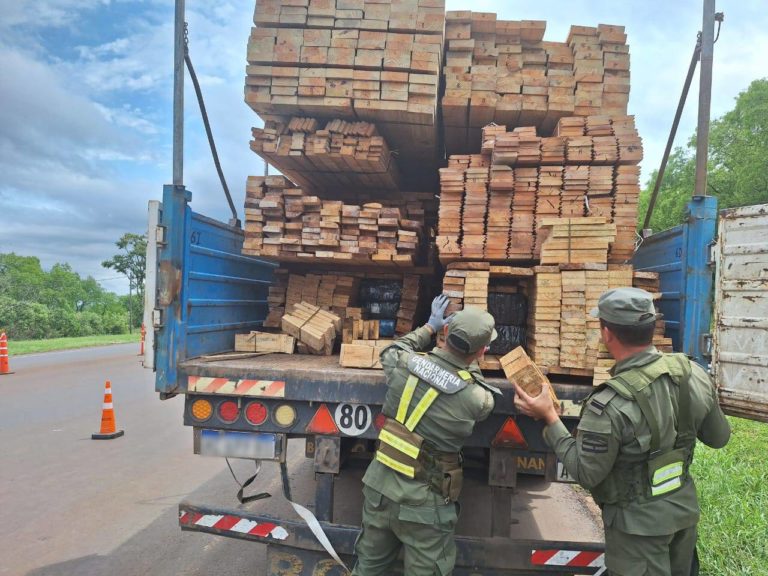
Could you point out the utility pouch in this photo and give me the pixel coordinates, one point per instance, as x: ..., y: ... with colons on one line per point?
x: 666, y: 473
x: 453, y: 480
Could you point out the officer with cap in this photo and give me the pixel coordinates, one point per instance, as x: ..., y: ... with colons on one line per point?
x: 432, y: 404
x: 635, y: 441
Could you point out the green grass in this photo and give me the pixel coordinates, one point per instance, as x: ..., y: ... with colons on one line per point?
x: 733, y: 493
x: 19, y: 347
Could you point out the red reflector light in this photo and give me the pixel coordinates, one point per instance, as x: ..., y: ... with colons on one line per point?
x: 509, y: 436
x: 379, y: 421
x: 256, y: 413
x: 228, y: 411
x: 322, y: 422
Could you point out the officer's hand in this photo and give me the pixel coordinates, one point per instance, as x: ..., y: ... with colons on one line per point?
x: 537, y: 407
x: 437, y: 319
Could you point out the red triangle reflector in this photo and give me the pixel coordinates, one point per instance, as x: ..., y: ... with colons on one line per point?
x: 322, y: 422
x: 510, y: 436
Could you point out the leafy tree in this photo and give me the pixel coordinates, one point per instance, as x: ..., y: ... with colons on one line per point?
x: 737, y: 163
x: 131, y: 262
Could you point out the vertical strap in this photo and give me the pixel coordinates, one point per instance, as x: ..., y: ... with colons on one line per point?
x: 645, y: 408
x: 405, y: 399
x: 685, y: 430
x: 421, y: 407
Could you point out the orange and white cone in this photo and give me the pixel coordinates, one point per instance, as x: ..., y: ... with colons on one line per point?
x: 107, y: 431
x: 4, y: 366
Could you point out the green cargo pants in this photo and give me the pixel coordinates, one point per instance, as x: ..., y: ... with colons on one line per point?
x: 425, y: 533
x: 633, y: 555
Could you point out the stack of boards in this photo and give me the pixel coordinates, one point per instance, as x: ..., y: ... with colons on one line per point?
x: 543, y: 169
x: 493, y: 205
x: 285, y: 223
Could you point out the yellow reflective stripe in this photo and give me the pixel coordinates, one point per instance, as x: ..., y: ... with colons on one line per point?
x: 464, y: 375
x: 669, y: 486
x: 399, y: 444
x: 666, y: 472
x: 395, y: 465
x: 405, y: 399
x: 421, y: 407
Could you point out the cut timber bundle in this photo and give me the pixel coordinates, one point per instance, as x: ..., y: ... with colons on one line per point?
x: 264, y: 342
x: 504, y: 72
x: 284, y: 223
x: 362, y: 353
x: 342, y: 154
x: 575, y: 240
x: 466, y: 284
x: 359, y: 329
x: 521, y: 370
x: 650, y: 282
x: 562, y: 336
x: 493, y: 204
x: 313, y: 327
x: 377, y: 61
x: 409, y: 304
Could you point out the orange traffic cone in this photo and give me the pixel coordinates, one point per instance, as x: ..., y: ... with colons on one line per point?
x: 107, y: 431
x: 4, y: 367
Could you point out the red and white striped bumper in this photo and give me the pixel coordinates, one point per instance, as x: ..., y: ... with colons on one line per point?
x: 233, y: 524
x: 570, y: 558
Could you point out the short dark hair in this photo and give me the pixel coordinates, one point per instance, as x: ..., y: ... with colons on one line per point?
x: 631, y: 335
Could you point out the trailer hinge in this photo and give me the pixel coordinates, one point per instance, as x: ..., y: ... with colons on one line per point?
x: 705, y: 345
x: 157, y: 318
x: 160, y: 235
x: 712, y: 253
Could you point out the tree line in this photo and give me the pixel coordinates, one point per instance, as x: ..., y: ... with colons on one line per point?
x: 737, y: 170
x: 37, y: 303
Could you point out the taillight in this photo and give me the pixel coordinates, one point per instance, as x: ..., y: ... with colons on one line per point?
x: 379, y: 421
x: 510, y: 436
x: 256, y: 413
x: 284, y: 416
x: 228, y: 411
x: 322, y: 422
x: 201, y: 410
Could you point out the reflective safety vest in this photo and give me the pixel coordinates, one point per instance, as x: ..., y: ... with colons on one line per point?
x: 405, y: 451
x: 663, y: 471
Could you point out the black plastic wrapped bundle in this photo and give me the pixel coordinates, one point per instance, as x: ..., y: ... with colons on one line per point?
x: 510, y: 337
x: 380, y: 299
x: 508, y: 309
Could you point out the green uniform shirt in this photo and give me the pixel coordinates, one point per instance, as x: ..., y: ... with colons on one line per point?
x: 620, y: 433
x: 446, y: 424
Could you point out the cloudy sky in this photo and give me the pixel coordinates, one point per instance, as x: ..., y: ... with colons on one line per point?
x: 86, y: 110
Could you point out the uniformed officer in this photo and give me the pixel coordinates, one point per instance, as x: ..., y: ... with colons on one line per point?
x: 635, y: 441
x: 432, y: 404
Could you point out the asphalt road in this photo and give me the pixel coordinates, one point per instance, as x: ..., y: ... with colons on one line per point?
x: 74, y: 506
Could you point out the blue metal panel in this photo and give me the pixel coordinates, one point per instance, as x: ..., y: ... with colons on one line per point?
x: 207, y: 290
x: 681, y: 257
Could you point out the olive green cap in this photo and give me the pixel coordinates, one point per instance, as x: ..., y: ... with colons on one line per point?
x: 471, y: 329
x: 625, y: 307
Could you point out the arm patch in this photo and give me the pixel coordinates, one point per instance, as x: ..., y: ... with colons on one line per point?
x: 594, y: 443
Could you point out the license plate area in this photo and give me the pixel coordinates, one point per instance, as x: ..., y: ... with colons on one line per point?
x: 233, y: 444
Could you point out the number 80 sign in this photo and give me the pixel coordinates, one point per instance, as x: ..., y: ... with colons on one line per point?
x: 353, y: 419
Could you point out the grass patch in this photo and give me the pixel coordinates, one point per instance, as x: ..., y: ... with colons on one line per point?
x: 19, y: 347
x: 734, y: 502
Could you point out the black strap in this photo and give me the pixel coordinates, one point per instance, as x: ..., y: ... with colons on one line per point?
x: 245, y: 499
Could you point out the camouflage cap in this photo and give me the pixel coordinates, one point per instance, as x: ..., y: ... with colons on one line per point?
x: 470, y: 330
x: 625, y: 307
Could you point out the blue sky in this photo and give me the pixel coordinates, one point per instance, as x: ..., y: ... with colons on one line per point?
x: 85, y: 104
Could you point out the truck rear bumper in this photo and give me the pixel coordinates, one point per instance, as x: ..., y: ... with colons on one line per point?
x: 496, y: 555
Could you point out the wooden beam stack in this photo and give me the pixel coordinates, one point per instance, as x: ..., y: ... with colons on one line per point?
x: 313, y: 327
x: 265, y: 342
x: 466, y: 284
x: 362, y: 353
x: 377, y: 61
x: 341, y: 154
x: 576, y: 240
x: 283, y: 222
x: 519, y: 368
x: 503, y: 72
x: 409, y: 304
x: 544, y: 301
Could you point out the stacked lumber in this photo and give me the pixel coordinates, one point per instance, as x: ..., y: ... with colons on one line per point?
x: 264, y: 342
x: 341, y: 154
x: 544, y: 301
x: 359, y: 329
x: 521, y: 370
x: 466, y: 284
x: 377, y: 61
x: 313, y: 327
x: 503, y: 72
x: 362, y: 353
x: 575, y: 240
x: 409, y: 304
x: 573, y: 320
x: 536, y: 179
x: 285, y: 223
x: 650, y: 282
